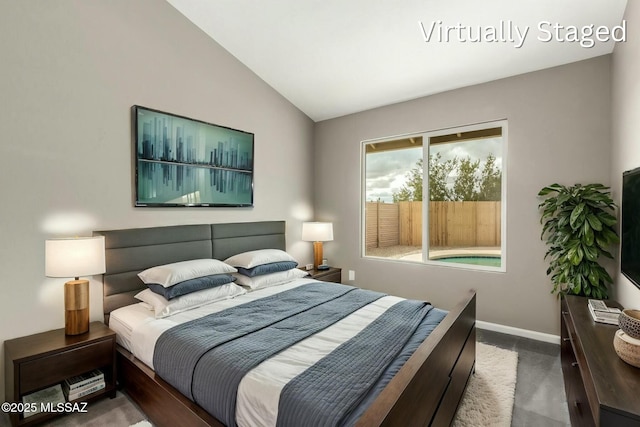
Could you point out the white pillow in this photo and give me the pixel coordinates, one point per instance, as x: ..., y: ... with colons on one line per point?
x: 164, y: 308
x: 261, y: 256
x: 272, y: 279
x: 146, y: 306
x: 169, y: 274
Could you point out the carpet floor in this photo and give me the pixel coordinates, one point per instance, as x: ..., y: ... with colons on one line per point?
x: 116, y: 412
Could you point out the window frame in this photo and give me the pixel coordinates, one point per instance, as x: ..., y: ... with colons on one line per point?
x: 426, y: 146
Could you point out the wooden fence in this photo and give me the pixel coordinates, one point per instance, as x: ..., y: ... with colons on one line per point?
x: 452, y: 224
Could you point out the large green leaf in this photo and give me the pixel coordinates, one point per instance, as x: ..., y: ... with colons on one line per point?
x: 604, y: 274
x: 577, y: 285
x: 596, y: 186
x: 548, y: 211
x: 607, y: 254
x: 575, y: 255
x: 563, y: 221
x: 610, y: 236
x: 590, y: 252
x: 575, y: 215
x: 601, y: 241
x: 593, y: 276
x: 573, y: 243
x: 606, y: 218
x: 596, y: 197
x: 550, y: 189
x: 594, y: 222
x: 587, y: 234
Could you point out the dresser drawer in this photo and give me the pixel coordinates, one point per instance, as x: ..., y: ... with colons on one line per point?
x: 571, y: 352
x: 57, y: 367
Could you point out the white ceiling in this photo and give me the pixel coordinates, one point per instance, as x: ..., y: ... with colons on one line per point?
x: 336, y: 57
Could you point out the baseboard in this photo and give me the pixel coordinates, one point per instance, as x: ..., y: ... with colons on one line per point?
x: 538, y: 336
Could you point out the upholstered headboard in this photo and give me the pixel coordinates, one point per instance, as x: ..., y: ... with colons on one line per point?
x: 130, y: 251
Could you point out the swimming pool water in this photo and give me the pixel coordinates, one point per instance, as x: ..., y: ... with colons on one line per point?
x: 473, y: 260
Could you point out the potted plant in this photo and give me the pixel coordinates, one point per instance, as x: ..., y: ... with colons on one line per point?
x: 578, y: 229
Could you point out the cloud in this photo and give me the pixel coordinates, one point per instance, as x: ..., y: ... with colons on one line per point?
x: 388, y: 163
x: 386, y: 171
x: 476, y: 149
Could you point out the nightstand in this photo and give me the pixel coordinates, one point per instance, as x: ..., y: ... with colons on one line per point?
x: 333, y: 274
x: 39, y: 361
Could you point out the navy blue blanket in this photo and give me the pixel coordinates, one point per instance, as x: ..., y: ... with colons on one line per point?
x: 207, y: 358
x: 326, y: 393
x: 178, y: 350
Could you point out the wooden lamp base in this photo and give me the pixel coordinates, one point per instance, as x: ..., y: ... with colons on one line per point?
x: 76, y: 307
x: 317, y: 254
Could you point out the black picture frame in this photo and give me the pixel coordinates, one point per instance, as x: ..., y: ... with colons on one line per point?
x: 183, y: 162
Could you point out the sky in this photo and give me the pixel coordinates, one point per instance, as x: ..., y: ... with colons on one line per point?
x: 386, y: 171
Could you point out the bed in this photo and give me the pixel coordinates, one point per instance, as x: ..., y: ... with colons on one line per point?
x: 425, y: 390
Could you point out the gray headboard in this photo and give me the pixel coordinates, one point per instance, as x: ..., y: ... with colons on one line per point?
x: 130, y: 251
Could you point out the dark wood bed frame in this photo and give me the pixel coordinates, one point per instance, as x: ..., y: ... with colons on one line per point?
x: 426, y: 390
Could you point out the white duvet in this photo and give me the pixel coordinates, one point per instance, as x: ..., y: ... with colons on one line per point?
x: 259, y: 392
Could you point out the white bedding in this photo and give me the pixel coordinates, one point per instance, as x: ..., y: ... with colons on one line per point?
x: 124, y: 320
x: 259, y: 392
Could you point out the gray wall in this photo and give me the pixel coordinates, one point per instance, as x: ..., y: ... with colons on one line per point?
x: 625, y: 115
x: 559, y: 131
x: 70, y: 72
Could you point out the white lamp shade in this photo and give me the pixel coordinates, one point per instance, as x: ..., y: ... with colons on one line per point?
x: 317, y: 231
x: 81, y: 256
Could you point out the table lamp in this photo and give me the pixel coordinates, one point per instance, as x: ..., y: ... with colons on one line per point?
x: 317, y: 232
x: 75, y: 257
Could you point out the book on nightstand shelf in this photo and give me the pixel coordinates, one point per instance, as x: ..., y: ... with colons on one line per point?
x: 81, y: 381
x: 84, y: 391
x: 603, y: 314
x: 83, y: 385
x: 51, y: 395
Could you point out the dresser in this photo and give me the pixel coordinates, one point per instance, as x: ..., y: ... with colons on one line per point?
x: 601, y: 389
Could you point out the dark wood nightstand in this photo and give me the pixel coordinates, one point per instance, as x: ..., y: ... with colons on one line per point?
x: 333, y: 274
x: 39, y: 361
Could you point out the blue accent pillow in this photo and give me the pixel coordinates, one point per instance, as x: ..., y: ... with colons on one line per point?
x: 191, y: 285
x: 272, y: 267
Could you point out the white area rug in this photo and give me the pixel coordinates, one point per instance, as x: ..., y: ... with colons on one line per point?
x: 488, y: 400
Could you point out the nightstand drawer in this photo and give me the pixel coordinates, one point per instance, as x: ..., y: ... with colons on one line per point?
x: 57, y: 367
x: 331, y: 274
x: 331, y: 277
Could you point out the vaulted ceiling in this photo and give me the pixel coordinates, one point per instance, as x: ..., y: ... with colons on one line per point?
x: 335, y: 57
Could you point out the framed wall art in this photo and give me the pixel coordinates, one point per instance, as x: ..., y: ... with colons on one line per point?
x: 186, y: 162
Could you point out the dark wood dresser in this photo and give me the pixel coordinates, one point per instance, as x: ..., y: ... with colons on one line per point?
x: 602, y: 390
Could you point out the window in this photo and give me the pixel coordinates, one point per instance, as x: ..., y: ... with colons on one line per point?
x: 457, y: 217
